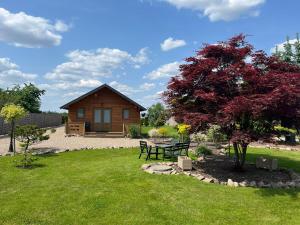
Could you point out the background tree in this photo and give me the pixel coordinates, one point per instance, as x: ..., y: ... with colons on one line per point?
x: 28, y: 135
x: 11, y: 113
x: 219, y: 86
x: 287, y: 55
x: 28, y: 96
x: 297, y: 50
x: 290, y: 54
x: 157, y: 115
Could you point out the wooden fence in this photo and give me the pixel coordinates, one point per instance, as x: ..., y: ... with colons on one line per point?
x: 41, y: 120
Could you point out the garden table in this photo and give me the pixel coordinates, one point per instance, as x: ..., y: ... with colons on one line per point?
x: 163, y: 147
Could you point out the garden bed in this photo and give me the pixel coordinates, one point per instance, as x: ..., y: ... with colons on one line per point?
x: 219, y: 170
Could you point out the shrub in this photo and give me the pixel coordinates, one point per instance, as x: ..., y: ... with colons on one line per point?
x: 134, y: 131
x: 28, y: 135
x: 163, y: 131
x: 198, y: 138
x: 215, y: 134
x: 203, y: 150
x: 153, y: 133
x: 53, y: 130
x: 183, y: 131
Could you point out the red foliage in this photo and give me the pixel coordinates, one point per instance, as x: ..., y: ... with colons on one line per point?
x: 241, y: 90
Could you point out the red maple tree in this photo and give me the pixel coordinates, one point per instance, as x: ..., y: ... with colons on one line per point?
x: 243, y: 91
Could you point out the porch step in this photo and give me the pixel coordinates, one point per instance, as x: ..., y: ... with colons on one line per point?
x: 104, y: 134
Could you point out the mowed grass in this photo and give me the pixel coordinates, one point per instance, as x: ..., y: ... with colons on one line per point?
x: 108, y: 187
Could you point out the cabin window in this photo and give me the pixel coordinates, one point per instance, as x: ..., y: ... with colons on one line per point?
x: 125, y: 114
x: 80, y: 113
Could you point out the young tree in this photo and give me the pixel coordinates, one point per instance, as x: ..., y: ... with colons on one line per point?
x: 157, y: 115
x: 28, y: 135
x: 11, y: 113
x: 219, y: 86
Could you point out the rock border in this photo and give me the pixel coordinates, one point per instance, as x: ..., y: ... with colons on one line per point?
x: 294, y: 183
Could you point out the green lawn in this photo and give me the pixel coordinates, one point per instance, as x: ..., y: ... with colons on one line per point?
x: 171, y: 131
x: 108, y: 187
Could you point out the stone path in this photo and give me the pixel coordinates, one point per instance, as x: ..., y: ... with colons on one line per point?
x: 58, y: 142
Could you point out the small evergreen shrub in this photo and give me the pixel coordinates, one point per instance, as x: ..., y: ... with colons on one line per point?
x: 203, y: 150
x: 134, y: 131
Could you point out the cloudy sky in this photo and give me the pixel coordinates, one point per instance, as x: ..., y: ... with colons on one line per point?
x: 69, y: 47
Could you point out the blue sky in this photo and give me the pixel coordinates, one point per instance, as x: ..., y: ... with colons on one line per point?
x: 69, y: 47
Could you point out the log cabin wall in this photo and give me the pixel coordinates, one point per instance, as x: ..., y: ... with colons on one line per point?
x: 105, y: 99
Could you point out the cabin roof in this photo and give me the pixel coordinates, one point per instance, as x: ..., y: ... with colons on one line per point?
x: 66, y: 106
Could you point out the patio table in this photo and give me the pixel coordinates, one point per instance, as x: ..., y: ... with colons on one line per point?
x: 163, y: 147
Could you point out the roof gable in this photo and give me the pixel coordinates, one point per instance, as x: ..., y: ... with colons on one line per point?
x: 66, y: 106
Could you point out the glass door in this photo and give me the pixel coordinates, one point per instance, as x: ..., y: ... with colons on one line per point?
x: 102, y: 120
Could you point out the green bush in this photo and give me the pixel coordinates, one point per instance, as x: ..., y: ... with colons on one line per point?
x: 28, y: 135
x: 53, y: 130
x: 203, y: 150
x: 134, y: 131
x: 215, y: 134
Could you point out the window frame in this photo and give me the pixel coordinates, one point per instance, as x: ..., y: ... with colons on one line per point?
x: 124, y: 112
x: 83, y: 112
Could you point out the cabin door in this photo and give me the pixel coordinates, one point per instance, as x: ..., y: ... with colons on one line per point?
x: 102, y: 120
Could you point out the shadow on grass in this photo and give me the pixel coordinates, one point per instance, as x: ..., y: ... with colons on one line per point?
x: 269, y: 192
x: 284, y: 162
x: 33, y: 166
x: 47, y: 155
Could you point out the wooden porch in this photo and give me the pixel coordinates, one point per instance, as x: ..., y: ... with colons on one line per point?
x: 79, y: 128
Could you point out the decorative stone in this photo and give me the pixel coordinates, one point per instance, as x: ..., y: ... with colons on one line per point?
x: 200, y: 177
x: 274, y: 185
x: 185, y: 163
x: 243, y: 184
x: 252, y: 184
x: 161, y: 168
x: 230, y: 182
x: 187, y: 173
x: 266, y: 163
x: 280, y: 184
x: 260, y: 184
x: 208, y: 180
x: 292, y: 184
x: 201, y: 158
x: 145, y: 166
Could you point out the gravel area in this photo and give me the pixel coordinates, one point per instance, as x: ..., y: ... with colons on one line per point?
x: 58, y: 142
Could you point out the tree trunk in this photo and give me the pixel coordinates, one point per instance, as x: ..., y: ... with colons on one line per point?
x: 240, y: 151
x: 11, y: 145
x: 14, y: 138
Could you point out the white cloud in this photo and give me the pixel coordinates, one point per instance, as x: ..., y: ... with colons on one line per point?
x: 170, y: 44
x: 22, y: 30
x: 165, y: 71
x: 123, y: 88
x: 71, y: 85
x: 99, y: 63
x: 281, y: 46
x: 147, y: 86
x: 10, y: 74
x: 216, y: 10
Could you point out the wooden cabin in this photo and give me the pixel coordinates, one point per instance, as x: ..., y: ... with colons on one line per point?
x: 102, y: 111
